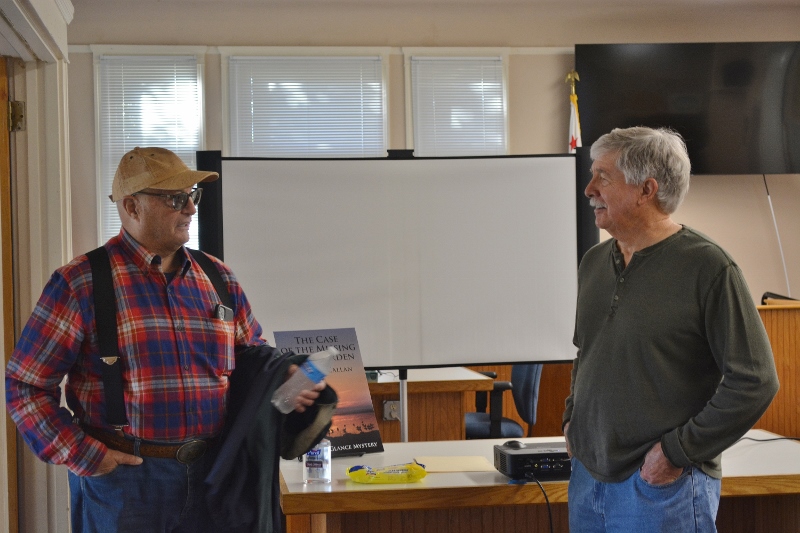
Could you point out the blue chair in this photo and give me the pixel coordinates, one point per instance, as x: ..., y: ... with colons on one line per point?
x: 524, y: 386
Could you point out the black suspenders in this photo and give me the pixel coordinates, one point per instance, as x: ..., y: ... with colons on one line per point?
x: 105, y: 317
x: 105, y: 313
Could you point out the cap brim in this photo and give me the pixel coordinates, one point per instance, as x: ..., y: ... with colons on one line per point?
x: 184, y: 179
x: 179, y: 181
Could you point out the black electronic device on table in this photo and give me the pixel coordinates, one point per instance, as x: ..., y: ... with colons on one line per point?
x: 545, y: 461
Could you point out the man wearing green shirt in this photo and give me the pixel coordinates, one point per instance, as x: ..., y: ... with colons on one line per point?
x: 673, y: 363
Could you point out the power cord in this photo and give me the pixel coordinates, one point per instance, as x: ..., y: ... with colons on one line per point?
x: 531, y: 477
x: 768, y: 440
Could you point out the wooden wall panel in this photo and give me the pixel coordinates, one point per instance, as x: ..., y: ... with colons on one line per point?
x: 762, y: 514
x: 520, y: 519
x: 782, y: 323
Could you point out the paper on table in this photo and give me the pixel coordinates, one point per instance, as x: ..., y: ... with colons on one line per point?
x: 455, y: 463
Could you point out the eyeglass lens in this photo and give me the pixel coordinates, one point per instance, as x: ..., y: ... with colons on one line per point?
x: 180, y: 200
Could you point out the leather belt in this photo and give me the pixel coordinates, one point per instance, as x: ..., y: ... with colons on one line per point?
x: 186, y: 452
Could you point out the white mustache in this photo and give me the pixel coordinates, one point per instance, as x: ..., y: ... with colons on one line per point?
x: 596, y: 203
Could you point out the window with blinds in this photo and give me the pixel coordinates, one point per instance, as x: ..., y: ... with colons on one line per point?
x: 303, y: 107
x: 458, y: 106
x: 145, y: 101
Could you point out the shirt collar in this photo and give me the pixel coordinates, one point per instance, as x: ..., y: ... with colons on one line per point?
x: 617, y: 254
x: 144, y: 259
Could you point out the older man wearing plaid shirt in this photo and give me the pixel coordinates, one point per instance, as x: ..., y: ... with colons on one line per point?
x: 176, y: 355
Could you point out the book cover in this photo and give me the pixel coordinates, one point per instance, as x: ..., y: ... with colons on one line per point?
x: 354, y: 428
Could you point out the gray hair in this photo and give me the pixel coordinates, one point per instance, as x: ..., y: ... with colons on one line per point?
x: 650, y: 153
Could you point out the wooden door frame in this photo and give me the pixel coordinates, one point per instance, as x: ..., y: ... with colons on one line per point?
x: 6, y: 265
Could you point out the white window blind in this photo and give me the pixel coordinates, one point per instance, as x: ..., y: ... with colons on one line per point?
x: 306, y: 106
x: 145, y: 101
x: 458, y: 106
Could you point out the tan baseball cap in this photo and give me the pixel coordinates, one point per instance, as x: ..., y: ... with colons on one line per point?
x: 156, y: 168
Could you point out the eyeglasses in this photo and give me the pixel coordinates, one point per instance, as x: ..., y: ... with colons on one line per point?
x: 178, y: 200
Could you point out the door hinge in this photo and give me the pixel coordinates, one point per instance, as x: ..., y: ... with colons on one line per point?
x: 16, y: 116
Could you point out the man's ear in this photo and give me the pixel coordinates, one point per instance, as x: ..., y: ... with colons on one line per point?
x: 130, y: 207
x: 648, y: 190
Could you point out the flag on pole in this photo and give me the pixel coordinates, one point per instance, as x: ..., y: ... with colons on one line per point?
x: 574, y: 124
x: 574, y: 118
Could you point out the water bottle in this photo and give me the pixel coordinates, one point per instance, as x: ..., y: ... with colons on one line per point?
x: 317, y: 463
x: 312, y: 371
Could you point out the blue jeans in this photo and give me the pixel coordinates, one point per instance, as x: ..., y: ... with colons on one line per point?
x: 687, y: 505
x: 160, y: 495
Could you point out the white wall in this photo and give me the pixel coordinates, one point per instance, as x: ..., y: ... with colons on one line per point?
x: 735, y: 212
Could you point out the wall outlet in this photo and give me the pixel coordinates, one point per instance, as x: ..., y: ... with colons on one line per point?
x: 391, y: 410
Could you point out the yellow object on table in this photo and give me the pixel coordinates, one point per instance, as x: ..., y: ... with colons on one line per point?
x: 404, y: 473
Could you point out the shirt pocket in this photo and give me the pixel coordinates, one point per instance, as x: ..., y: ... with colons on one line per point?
x: 211, y: 342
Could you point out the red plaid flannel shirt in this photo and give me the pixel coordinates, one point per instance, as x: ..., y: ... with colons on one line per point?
x: 176, y: 356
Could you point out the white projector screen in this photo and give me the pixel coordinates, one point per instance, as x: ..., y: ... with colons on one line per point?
x: 434, y: 262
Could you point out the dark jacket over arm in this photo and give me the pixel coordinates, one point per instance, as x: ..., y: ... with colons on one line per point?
x: 243, y: 484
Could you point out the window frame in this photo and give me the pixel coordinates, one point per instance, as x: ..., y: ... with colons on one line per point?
x: 453, y: 53
x: 226, y: 52
x: 99, y: 51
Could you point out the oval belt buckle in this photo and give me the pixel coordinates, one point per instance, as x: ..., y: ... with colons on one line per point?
x: 191, y: 451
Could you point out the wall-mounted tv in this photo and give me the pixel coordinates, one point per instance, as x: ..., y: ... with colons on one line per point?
x: 737, y: 105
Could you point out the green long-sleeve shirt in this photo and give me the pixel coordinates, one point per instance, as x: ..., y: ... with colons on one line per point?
x: 670, y: 349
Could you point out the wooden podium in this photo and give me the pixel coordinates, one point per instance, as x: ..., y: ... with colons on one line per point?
x: 782, y: 323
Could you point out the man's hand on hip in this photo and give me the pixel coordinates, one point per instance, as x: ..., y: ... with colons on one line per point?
x: 657, y: 470
x: 113, y: 459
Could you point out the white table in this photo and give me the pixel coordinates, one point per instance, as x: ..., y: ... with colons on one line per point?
x: 468, y: 501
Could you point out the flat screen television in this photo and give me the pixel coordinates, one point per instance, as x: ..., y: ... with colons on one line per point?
x: 737, y: 105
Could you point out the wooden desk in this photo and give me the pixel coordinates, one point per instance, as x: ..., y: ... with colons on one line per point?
x: 436, y: 402
x: 761, y: 492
